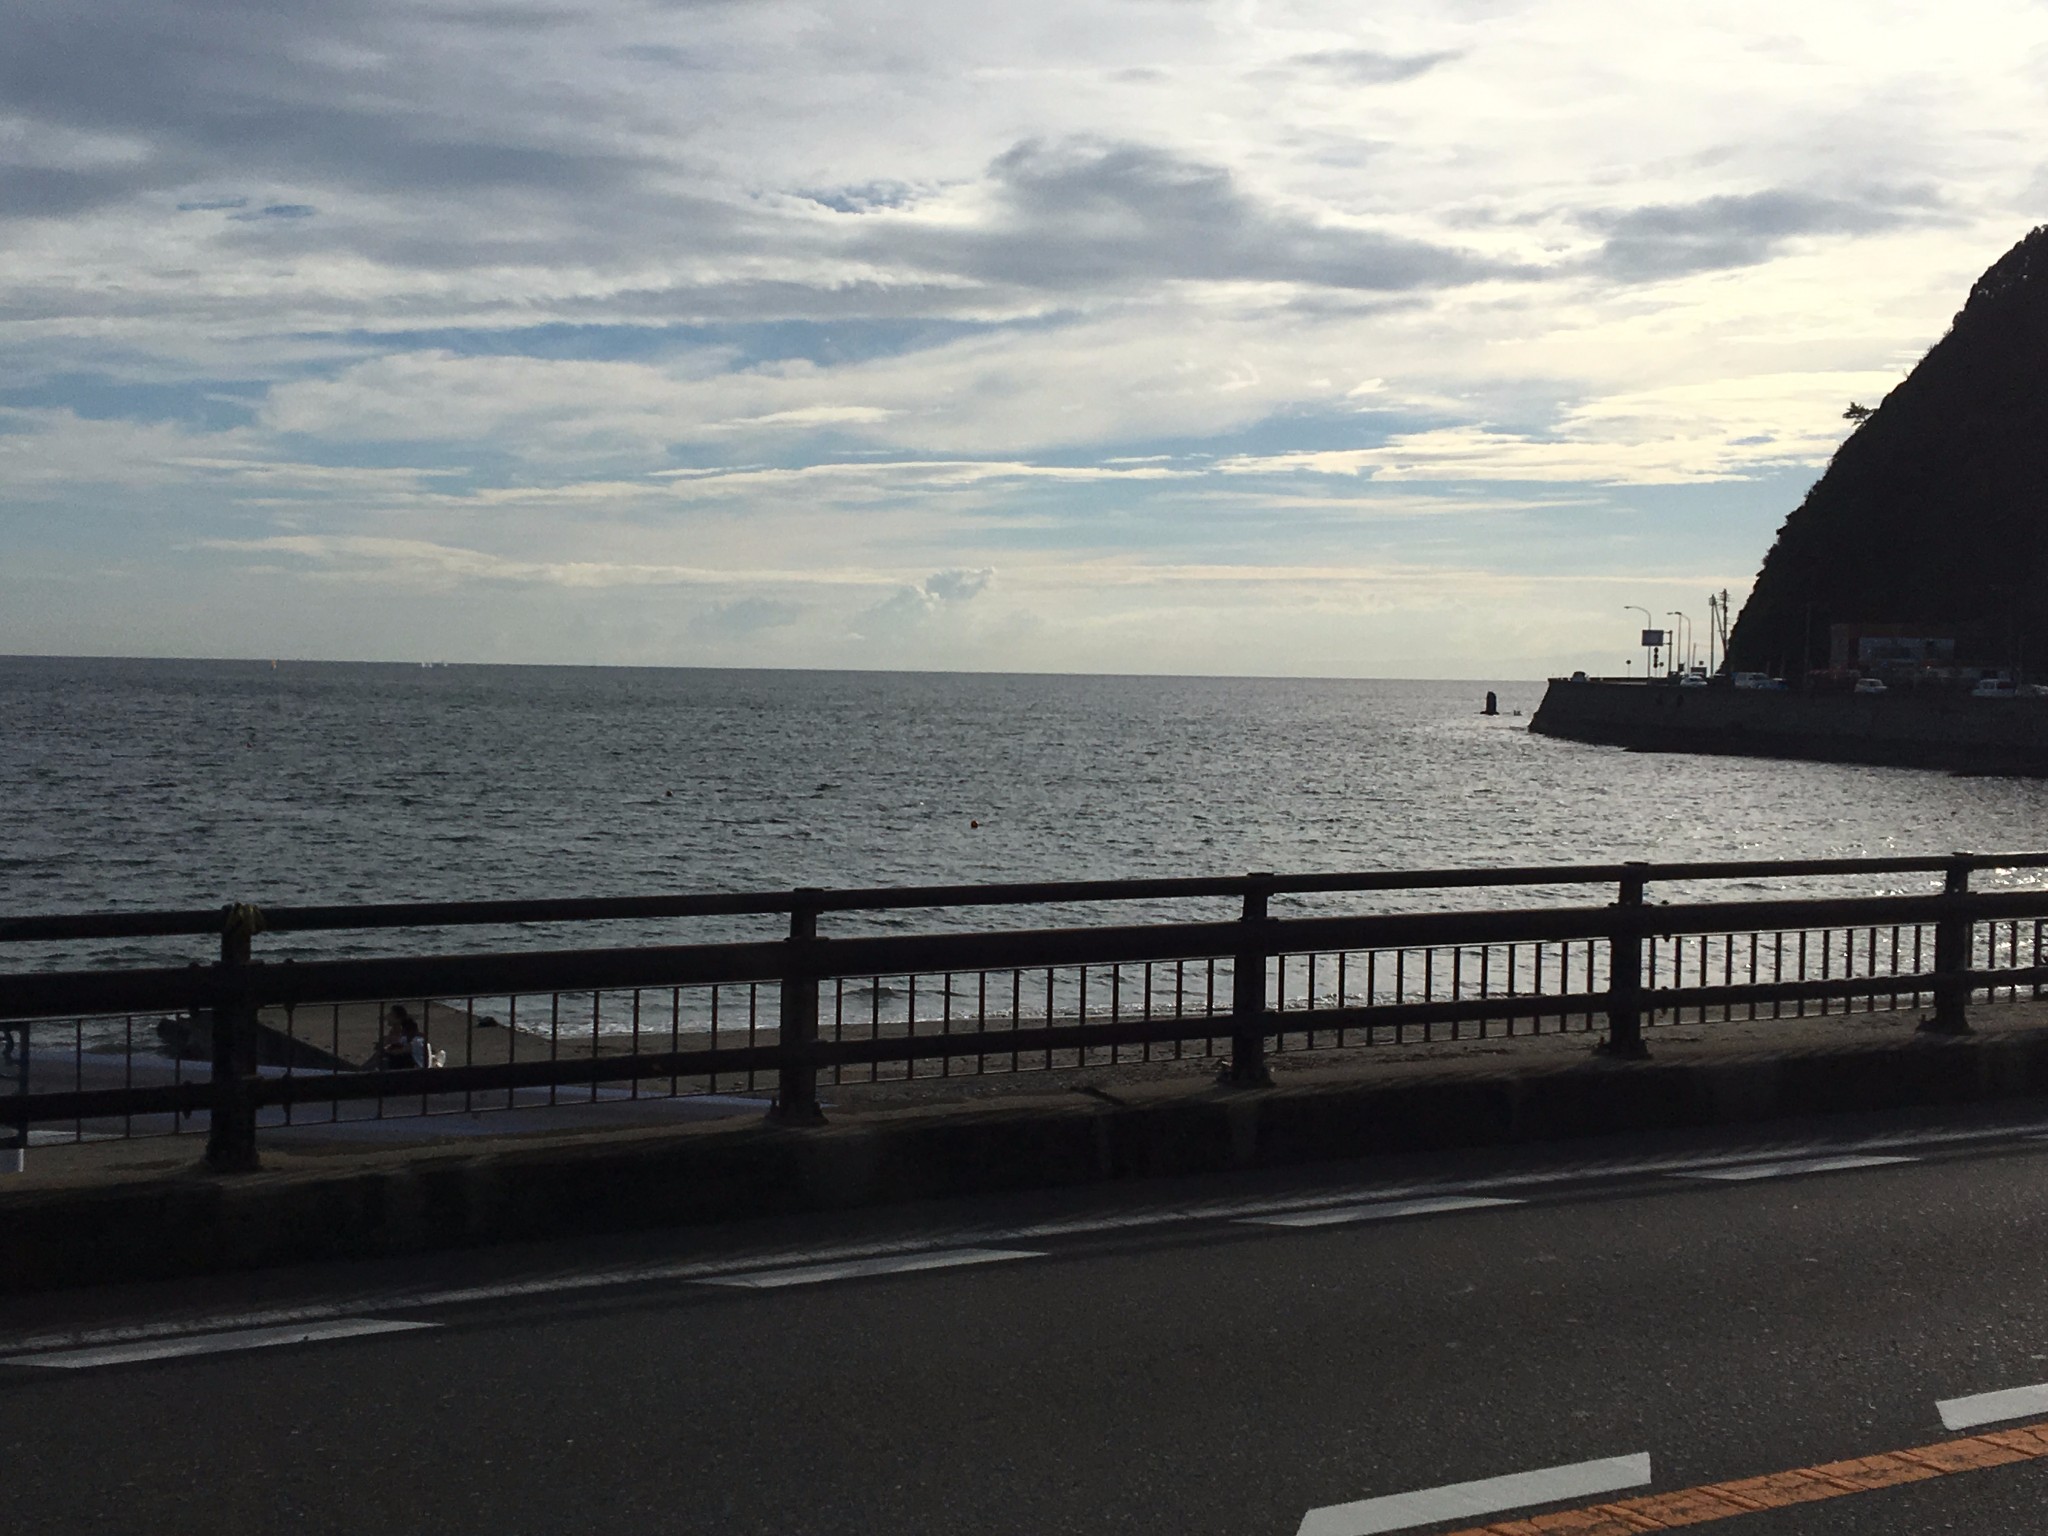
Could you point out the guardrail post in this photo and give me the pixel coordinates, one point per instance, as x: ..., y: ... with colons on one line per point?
x: 231, y: 1132
x: 796, y: 1072
x: 1952, y: 935
x: 1247, y: 1067
x: 15, y: 1158
x: 1625, y: 969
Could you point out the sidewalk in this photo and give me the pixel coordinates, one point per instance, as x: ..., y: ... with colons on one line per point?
x: 124, y: 1209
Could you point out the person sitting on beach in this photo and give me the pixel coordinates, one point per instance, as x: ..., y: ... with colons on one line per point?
x: 402, y: 1046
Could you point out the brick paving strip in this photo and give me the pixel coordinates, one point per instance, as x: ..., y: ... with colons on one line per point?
x: 1777, y: 1490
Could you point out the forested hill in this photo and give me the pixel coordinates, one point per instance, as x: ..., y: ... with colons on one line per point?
x: 1935, y: 510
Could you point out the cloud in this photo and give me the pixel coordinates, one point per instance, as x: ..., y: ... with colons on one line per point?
x: 1085, y: 214
x: 865, y: 199
x: 745, y: 617
x: 910, y: 607
x: 276, y: 211
x: 958, y: 586
x: 1477, y: 453
x: 1674, y: 434
x: 1673, y: 239
x: 338, y: 88
x: 888, y: 478
x: 1369, y: 66
x: 903, y: 289
x: 816, y: 416
x: 426, y: 561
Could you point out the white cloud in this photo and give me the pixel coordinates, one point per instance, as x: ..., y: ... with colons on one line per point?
x: 368, y: 557
x: 642, y: 299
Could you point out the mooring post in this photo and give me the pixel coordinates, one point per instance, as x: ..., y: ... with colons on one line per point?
x: 1952, y: 946
x: 1247, y: 1067
x: 1625, y: 968
x: 796, y: 1071
x: 231, y: 1133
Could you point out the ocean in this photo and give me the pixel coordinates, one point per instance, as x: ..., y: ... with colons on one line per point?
x: 150, y: 783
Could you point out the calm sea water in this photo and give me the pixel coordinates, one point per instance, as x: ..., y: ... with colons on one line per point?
x: 129, y: 784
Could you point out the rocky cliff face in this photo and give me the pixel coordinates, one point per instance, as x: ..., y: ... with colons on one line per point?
x: 1935, y: 510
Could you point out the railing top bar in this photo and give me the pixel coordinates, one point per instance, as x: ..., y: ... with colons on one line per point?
x: 1448, y: 879
x: 1023, y: 893
x: 573, y: 909
x: 455, y: 914
x: 1742, y: 869
x: 109, y: 925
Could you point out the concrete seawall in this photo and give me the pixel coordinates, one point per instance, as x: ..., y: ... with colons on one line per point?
x: 1917, y: 730
x: 123, y: 1226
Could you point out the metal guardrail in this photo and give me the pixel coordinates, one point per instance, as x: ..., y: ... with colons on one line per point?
x: 1260, y: 983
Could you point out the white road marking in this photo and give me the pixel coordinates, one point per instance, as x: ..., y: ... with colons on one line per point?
x: 1788, y: 1168
x: 857, y: 1269
x: 213, y: 1343
x: 1990, y: 1407
x: 1379, y: 1210
x: 1487, y: 1496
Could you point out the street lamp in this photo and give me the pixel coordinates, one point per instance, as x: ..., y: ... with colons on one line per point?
x: 1649, y: 628
x: 1685, y: 632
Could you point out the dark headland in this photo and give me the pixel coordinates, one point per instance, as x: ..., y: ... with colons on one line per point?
x: 1916, y: 562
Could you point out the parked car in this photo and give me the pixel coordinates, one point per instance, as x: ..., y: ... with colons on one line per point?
x: 1870, y: 685
x: 1994, y: 688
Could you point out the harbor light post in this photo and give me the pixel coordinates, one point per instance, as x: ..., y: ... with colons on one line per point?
x: 1684, y: 639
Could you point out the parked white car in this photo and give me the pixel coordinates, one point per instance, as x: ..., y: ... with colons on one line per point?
x: 1871, y: 685
x: 1994, y: 688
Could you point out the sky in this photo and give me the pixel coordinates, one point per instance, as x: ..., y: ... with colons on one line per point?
x: 1157, y: 336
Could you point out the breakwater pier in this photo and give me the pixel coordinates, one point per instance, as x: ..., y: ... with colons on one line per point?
x: 1902, y: 728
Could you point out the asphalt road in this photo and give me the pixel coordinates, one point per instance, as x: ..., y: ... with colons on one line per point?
x: 1187, y: 1358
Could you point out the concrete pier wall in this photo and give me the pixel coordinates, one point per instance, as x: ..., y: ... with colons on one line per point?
x: 1923, y: 730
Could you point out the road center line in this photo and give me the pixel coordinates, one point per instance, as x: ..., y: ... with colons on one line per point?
x: 1380, y: 1210
x: 1991, y: 1407
x: 1453, y: 1501
x: 1779, y: 1490
x: 856, y: 1269
x: 1789, y: 1168
x: 213, y: 1343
